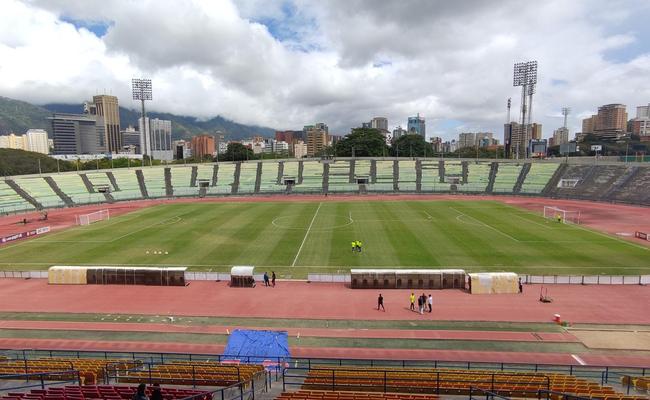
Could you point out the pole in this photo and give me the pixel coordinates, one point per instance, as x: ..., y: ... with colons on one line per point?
x: 39, y: 166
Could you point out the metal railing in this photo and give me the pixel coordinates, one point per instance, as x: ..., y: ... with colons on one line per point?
x: 595, y: 372
x: 42, y: 379
x: 391, y: 380
x: 488, y: 395
x: 241, y: 390
x: 548, y: 394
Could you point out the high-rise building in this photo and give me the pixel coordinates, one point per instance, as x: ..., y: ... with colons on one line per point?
x: 560, y: 136
x: 316, y: 141
x: 588, y: 124
x: 641, y: 124
x: 416, y: 125
x: 77, y: 133
x: 536, y: 131
x: 399, y: 132
x: 300, y: 149
x: 36, y: 140
x: 466, y: 139
x: 107, y: 107
x: 380, y: 123
x: 131, y: 140
x: 12, y: 141
x: 158, y: 141
x: 202, y: 145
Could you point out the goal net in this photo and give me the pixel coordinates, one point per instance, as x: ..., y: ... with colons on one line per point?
x: 564, y: 216
x: 87, y: 219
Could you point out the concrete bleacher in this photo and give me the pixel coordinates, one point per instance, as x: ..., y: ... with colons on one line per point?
x: 384, y: 181
x: 407, y: 178
x: 291, y: 170
x: 72, y: 185
x: 312, y: 178
x: 247, y: 177
x: 181, y: 178
x: 39, y: 189
x: 599, y: 180
x: 506, y: 177
x: 430, y: 181
x: 225, y: 178
x: 636, y: 190
x: 128, y: 183
x: 478, y: 175
x: 269, y: 178
x: 154, y: 179
x: 10, y: 201
x: 538, y: 177
x: 339, y: 177
x: 362, y: 168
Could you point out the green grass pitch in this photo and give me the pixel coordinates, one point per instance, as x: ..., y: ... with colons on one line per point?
x: 301, y: 237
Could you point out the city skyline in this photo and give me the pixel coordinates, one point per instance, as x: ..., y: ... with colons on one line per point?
x: 323, y: 64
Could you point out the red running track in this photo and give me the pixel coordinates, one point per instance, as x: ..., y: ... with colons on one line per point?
x: 604, y: 304
x: 337, y: 352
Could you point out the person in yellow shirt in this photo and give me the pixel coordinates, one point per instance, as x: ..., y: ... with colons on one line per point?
x: 354, y: 246
x: 412, y: 298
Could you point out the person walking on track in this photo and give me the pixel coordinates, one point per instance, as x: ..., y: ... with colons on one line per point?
x: 380, y: 302
x: 430, y: 302
x: 412, y: 298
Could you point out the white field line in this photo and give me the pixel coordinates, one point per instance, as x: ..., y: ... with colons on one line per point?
x: 531, y: 221
x: 638, y: 246
x: 578, y: 359
x: 428, y: 215
x: 486, y: 225
x: 304, y: 239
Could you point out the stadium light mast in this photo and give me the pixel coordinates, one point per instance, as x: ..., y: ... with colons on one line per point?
x: 141, y: 89
x: 565, y: 112
x: 525, y: 75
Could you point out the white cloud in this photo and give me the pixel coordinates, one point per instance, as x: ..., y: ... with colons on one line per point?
x: 340, y: 61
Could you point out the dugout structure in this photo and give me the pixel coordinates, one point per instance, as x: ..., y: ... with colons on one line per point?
x: 149, y: 276
x: 494, y: 283
x: 242, y: 276
x: 407, y: 279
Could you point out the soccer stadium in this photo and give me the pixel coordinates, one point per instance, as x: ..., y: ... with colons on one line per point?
x: 296, y: 279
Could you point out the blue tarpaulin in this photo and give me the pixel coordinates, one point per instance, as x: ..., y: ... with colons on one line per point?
x: 251, y: 346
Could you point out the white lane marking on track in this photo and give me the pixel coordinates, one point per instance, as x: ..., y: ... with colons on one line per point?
x: 293, y: 264
x: 486, y: 225
x: 578, y: 359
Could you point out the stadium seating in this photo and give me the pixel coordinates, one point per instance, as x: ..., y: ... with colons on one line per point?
x: 154, y: 179
x: 291, y: 170
x: 204, y: 173
x: 362, y: 168
x: 430, y: 181
x: 384, y: 182
x: 225, y: 179
x: 39, y: 189
x: 72, y: 185
x: 10, y: 201
x: 339, y: 177
x: 104, y: 392
x: 128, y: 185
x: 336, y: 395
x: 407, y: 176
x: 506, y: 177
x: 195, y: 373
x: 478, y: 174
x: 269, y: 178
x: 181, y: 179
x: 636, y: 189
x: 451, y: 382
x: 312, y: 178
x: 538, y: 177
x: 247, y: 177
x: 90, y: 370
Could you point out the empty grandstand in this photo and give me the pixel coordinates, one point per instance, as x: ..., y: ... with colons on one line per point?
x: 617, y: 182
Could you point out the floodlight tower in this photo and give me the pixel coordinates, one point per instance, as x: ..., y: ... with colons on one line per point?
x: 565, y: 111
x: 525, y: 75
x: 141, y: 89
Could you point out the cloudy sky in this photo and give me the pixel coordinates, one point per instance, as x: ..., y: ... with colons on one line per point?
x: 284, y: 64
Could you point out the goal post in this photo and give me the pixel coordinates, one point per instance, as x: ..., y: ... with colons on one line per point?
x: 561, y: 215
x: 87, y: 219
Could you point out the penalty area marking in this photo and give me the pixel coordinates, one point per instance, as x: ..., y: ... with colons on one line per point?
x: 293, y: 264
x: 486, y: 225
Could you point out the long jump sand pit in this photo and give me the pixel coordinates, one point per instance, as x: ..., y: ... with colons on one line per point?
x: 614, y: 339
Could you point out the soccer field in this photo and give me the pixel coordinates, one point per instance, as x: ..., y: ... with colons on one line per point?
x: 301, y: 237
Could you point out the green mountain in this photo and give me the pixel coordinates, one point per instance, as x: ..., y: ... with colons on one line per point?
x: 18, y: 116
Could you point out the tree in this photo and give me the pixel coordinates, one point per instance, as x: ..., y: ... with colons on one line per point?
x: 366, y: 142
x: 237, y: 152
x: 411, y: 145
